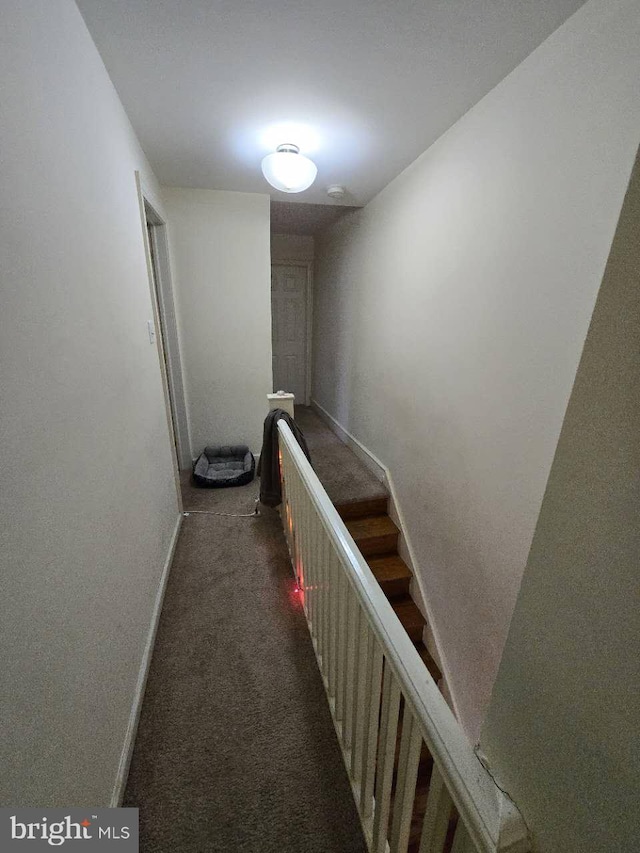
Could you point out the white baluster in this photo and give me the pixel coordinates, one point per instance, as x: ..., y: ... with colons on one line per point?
x: 326, y: 603
x: 307, y: 557
x: 341, y: 608
x: 410, y: 745
x: 347, y: 663
x: 302, y: 539
x: 337, y: 628
x: 333, y: 620
x: 363, y: 650
x: 386, y: 756
x: 372, y: 717
x: 295, y: 521
x: 313, y: 563
x: 285, y: 505
x: 437, y: 814
x: 320, y: 551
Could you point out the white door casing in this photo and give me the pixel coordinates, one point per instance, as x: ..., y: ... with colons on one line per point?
x: 289, y: 316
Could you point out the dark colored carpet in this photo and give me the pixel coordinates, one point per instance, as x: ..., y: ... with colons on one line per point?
x: 343, y: 475
x: 235, y: 500
x: 236, y: 751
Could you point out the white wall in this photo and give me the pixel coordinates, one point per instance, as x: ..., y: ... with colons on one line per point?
x: 451, y: 311
x: 88, y: 502
x: 219, y: 244
x: 563, y: 725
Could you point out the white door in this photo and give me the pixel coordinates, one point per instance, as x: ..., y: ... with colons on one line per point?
x: 289, y: 329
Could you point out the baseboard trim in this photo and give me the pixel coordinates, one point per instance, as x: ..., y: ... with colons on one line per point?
x: 134, y: 717
x: 405, y: 548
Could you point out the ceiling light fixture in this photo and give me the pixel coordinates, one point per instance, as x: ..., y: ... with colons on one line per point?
x: 288, y: 170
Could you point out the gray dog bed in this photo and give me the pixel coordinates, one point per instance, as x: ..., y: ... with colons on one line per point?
x: 218, y: 467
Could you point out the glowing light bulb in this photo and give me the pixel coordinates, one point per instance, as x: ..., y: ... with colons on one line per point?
x: 288, y: 170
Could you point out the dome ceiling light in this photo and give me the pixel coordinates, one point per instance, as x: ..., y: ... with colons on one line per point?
x: 288, y: 170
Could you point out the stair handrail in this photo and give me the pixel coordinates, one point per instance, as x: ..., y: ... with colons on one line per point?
x: 492, y: 819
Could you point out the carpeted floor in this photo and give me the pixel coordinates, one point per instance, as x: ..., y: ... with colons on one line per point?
x: 343, y: 475
x: 240, y: 500
x: 236, y: 751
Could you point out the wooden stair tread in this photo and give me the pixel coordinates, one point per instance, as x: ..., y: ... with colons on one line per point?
x: 410, y: 616
x: 362, y: 508
x: 371, y: 526
x: 391, y: 567
x: 392, y: 573
x: 374, y: 535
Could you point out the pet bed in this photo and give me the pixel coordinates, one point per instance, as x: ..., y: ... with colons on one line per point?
x: 218, y: 467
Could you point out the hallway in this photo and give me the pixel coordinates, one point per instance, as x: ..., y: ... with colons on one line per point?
x: 236, y: 749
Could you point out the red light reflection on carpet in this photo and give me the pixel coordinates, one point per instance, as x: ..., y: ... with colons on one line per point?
x: 296, y: 596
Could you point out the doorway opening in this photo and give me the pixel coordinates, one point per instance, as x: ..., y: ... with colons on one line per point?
x: 293, y: 229
x: 167, y: 330
x: 291, y: 328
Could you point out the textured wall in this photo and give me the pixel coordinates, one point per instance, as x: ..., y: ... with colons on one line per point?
x: 291, y: 247
x: 564, y: 717
x: 450, y: 315
x: 219, y: 244
x: 88, y: 503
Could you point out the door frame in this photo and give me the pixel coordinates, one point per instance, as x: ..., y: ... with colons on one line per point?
x: 164, y: 318
x: 308, y: 265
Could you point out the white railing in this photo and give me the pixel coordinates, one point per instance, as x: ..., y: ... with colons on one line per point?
x: 377, y: 686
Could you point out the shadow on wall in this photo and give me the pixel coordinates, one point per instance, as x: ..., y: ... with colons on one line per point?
x: 563, y: 726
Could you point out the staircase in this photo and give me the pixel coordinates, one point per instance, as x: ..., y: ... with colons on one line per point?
x: 362, y: 503
x: 376, y: 536
x: 416, y: 780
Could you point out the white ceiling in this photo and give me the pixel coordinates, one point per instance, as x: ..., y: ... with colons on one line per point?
x: 372, y: 83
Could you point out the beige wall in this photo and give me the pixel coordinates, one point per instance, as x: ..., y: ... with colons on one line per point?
x: 451, y: 311
x: 219, y: 245
x: 291, y: 247
x: 564, y: 721
x: 88, y: 503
